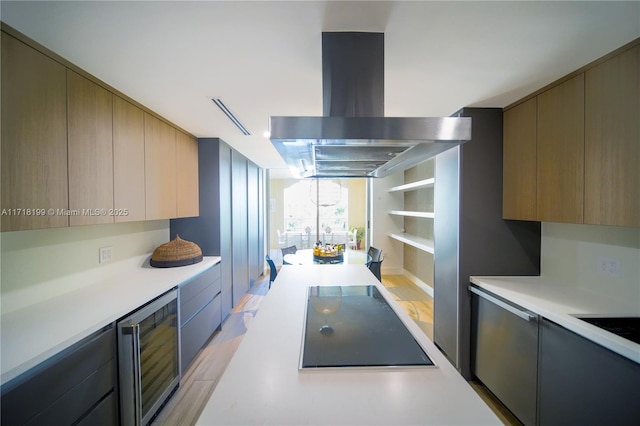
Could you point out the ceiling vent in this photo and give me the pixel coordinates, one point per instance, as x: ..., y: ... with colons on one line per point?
x: 231, y: 116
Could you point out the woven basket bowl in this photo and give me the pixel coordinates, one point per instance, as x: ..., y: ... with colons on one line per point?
x: 177, y: 252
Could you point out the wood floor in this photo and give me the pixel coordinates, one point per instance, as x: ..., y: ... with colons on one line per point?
x: 417, y: 303
x: 203, y: 374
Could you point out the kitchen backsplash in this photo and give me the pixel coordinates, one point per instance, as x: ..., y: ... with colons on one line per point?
x: 39, y: 264
x: 602, y: 259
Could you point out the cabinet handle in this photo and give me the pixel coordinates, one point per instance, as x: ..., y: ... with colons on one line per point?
x: 527, y: 316
x: 137, y: 374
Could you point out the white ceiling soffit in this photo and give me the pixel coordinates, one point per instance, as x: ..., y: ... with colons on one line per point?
x: 263, y: 58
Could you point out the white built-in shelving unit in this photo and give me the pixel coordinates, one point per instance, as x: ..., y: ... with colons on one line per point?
x: 420, y: 243
x: 426, y: 183
x: 428, y: 215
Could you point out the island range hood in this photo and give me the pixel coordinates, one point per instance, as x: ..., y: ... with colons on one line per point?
x: 353, y: 138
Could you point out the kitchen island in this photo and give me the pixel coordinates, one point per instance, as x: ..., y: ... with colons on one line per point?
x: 263, y: 385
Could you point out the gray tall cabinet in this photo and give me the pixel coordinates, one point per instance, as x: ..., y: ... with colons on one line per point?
x: 470, y: 236
x: 231, y: 189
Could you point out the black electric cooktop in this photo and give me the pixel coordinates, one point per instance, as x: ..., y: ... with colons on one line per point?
x: 627, y: 327
x: 354, y: 326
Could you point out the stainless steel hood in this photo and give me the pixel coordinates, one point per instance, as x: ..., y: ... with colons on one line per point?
x: 353, y: 138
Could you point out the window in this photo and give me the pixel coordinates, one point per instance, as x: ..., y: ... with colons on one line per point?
x: 316, y: 203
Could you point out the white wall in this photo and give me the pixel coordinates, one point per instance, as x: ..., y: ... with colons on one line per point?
x: 571, y: 255
x: 41, y: 264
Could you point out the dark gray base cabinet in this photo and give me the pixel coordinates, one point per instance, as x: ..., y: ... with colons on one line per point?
x: 77, y: 386
x: 200, y: 313
x: 504, y: 344
x: 583, y: 383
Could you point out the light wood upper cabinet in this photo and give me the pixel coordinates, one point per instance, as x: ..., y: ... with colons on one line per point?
x: 160, y: 168
x: 560, y: 152
x: 90, y: 118
x: 519, y: 162
x: 76, y: 152
x: 587, y: 139
x: 187, y: 175
x: 34, y: 139
x: 612, y: 141
x: 128, y: 161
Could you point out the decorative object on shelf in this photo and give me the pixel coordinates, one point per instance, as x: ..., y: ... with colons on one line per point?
x: 177, y: 252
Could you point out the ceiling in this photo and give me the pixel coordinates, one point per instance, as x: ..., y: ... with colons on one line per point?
x: 263, y: 58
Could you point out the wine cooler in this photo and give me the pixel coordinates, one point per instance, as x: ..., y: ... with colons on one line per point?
x: 148, y: 358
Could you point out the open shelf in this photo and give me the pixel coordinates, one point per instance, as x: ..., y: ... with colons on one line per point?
x: 420, y: 243
x: 426, y: 183
x: 429, y: 215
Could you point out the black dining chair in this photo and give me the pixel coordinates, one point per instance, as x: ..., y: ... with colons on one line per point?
x: 374, y: 267
x: 288, y: 250
x: 273, y: 272
x: 374, y: 253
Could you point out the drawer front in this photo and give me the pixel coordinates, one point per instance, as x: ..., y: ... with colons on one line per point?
x: 89, y: 362
x: 192, y: 306
x: 195, y: 285
x: 79, y: 400
x: 197, y: 331
x: 104, y: 414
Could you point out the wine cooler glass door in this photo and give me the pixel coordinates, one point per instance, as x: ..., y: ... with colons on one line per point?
x: 149, y: 364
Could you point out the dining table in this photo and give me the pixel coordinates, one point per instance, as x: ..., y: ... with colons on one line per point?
x: 306, y: 257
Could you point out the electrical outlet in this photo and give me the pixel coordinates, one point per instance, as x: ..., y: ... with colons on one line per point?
x: 106, y: 254
x: 609, y: 267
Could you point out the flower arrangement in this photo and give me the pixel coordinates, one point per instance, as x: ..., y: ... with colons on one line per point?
x: 328, y: 250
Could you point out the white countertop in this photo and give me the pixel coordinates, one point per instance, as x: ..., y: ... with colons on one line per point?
x: 35, y: 333
x: 262, y: 383
x: 560, y: 304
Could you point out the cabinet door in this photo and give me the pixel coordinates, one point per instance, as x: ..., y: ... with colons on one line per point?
x: 90, y: 118
x: 34, y: 138
x: 519, y: 162
x: 583, y: 383
x: 225, y: 223
x: 256, y: 263
x: 187, y: 175
x: 560, y: 152
x: 128, y: 161
x: 239, y: 226
x: 612, y: 141
x: 159, y: 168
x: 504, y: 346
